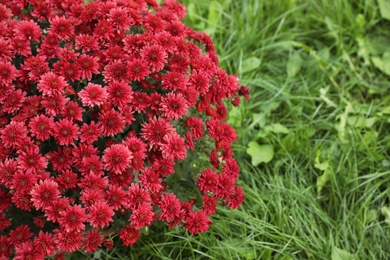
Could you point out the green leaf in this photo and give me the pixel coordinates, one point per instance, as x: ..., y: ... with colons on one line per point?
x: 340, y: 254
x: 191, y: 11
x: 384, y: 7
x: 260, y: 153
x: 386, y: 213
x: 361, y: 121
x: 383, y: 63
x: 250, y: 64
x: 277, y: 129
x: 294, y: 64
x: 328, y: 172
x: 213, y: 16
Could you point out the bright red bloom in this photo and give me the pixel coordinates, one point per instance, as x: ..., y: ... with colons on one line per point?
x: 150, y: 179
x: 100, y: 214
x: 73, y: 111
x: 86, y: 43
x: 90, y: 133
x: 44, y: 194
x: 28, y: 30
x: 173, y: 147
x: 23, y: 182
x: 119, y: 93
x: 90, y: 196
x: 88, y: 66
x: 197, y: 222
x: 32, y: 161
x: 14, y: 101
x: 155, y: 130
x: 115, y: 197
x: 26, y: 250
x: 65, y: 132
x: 136, y: 196
x: 111, y: 122
x: 7, y: 73
x: 44, y: 243
x: 13, y: 133
x: 170, y: 207
x: 92, y: 241
x: 67, y: 179
x: 68, y: 241
x: 50, y: 83
x: 154, y: 56
x: 174, y: 106
x: 20, y: 235
x: 236, y: 198
x: 129, y: 235
x: 142, y: 216
x: 208, y: 181
x: 72, y: 218
x: 41, y: 127
x: 61, y: 27
x: 137, y: 70
x: 117, y: 158
x: 92, y: 95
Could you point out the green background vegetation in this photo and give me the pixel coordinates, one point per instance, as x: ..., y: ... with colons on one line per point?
x: 314, y: 139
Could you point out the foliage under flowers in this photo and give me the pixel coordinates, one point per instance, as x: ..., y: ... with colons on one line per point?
x: 106, y: 112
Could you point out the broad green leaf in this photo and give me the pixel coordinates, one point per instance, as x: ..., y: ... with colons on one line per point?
x: 361, y: 121
x: 382, y: 63
x: 213, y: 16
x: 370, y: 215
x: 327, y: 168
x: 191, y: 11
x: 294, y: 64
x: 340, y: 254
x: 277, y: 129
x: 386, y: 213
x: 250, y: 64
x: 384, y: 7
x: 260, y: 153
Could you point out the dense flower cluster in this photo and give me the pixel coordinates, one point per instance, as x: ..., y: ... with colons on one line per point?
x: 100, y: 103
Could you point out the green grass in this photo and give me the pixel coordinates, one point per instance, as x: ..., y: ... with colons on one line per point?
x: 325, y: 193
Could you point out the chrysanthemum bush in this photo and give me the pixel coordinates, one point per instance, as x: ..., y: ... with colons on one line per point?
x: 112, y: 119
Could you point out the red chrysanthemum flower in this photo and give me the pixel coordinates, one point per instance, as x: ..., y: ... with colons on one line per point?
x: 90, y: 133
x: 117, y: 158
x: 174, y: 147
x: 116, y: 71
x: 44, y: 194
x: 154, y: 56
x: 207, y: 181
x: 88, y: 66
x: 209, y: 204
x: 32, y: 161
x: 174, y: 106
x: 72, y: 218
x: 236, y: 198
x: 7, y: 73
x: 93, y: 94
x: 28, y: 30
x: 73, y: 111
x: 137, y: 70
x: 67, y: 180
x: 100, y: 214
x: 13, y: 133
x: 129, y: 235
x: 156, y: 129
x: 170, y: 207
x: 142, y: 216
x: 111, y: 122
x: 23, y: 182
x: 197, y: 222
x: 93, y: 241
x: 91, y: 164
x: 20, y: 234
x: 150, y: 179
x: 61, y: 27
x: 120, y: 19
x: 14, y: 101
x: 41, y: 127
x: 50, y: 83
x: 115, y: 197
x: 65, y: 132
x: 44, y: 243
x: 86, y: 43
x: 27, y: 250
x: 119, y: 93
x: 68, y: 241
